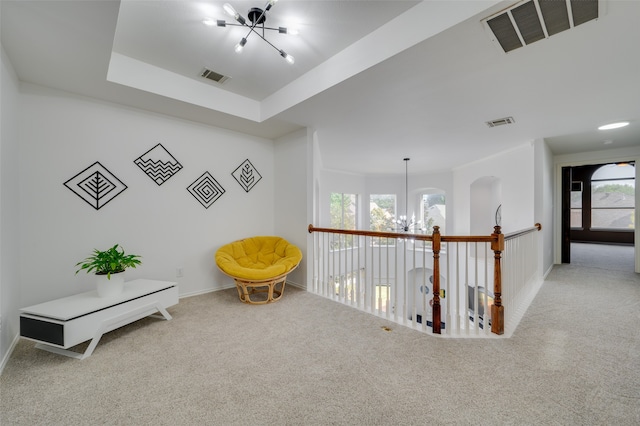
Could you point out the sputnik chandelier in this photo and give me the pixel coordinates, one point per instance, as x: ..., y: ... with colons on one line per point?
x: 257, y: 17
x: 404, y: 223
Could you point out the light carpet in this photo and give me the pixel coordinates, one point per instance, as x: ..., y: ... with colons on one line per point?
x: 603, y: 256
x: 305, y: 360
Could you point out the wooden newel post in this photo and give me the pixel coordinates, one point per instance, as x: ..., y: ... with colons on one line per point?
x: 435, y: 320
x: 497, y: 310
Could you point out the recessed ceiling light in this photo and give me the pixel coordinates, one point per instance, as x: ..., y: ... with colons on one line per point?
x: 209, y: 22
x: 608, y: 142
x: 614, y: 125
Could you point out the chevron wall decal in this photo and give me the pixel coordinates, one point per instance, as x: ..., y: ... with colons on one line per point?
x: 158, y: 164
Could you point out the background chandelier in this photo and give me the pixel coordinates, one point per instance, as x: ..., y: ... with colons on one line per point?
x: 405, y: 224
x: 257, y: 17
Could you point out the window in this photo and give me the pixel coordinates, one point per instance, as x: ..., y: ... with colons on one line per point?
x: 613, y: 197
x: 576, y: 204
x: 344, y: 211
x: 382, y: 212
x: 433, y: 210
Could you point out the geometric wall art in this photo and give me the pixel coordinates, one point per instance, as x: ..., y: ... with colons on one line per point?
x: 246, y: 175
x: 158, y: 164
x: 206, y: 190
x: 96, y: 185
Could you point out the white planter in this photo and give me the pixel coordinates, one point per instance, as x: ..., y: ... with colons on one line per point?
x: 110, y: 287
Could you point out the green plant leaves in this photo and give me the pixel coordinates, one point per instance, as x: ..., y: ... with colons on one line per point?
x: 108, y: 262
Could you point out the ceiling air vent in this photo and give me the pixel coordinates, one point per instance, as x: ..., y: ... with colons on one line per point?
x: 501, y: 122
x: 212, y: 75
x: 529, y: 21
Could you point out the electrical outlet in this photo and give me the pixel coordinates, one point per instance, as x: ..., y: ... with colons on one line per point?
x: 179, y: 272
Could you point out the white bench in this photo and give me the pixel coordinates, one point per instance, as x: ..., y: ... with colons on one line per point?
x: 63, y: 323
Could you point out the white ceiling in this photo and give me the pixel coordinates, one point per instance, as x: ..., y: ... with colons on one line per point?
x: 378, y: 80
x: 171, y: 35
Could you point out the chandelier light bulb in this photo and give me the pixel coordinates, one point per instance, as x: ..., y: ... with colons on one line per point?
x: 288, y: 57
x: 230, y: 10
x: 269, y: 4
x: 240, y: 45
x: 289, y: 31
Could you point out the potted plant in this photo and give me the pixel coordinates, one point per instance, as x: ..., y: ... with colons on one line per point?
x: 109, y: 266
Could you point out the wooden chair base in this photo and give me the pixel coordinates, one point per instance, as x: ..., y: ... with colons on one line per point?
x: 270, y: 287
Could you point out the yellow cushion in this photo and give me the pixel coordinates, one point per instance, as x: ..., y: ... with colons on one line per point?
x: 258, y: 258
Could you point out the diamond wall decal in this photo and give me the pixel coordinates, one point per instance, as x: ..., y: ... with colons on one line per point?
x: 206, y: 190
x: 158, y: 164
x: 246, y: 175
x: 96, y: 185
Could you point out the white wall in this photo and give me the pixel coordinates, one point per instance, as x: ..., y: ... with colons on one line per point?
x: 9, y: 232
x: 293, y: 195
x: 515, y: 170
x: 544, y: 202
x: 62, y: 134
x: 486, y: 198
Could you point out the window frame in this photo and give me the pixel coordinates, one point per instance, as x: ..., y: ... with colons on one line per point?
x: 592, y: 208
x: 421, y: 208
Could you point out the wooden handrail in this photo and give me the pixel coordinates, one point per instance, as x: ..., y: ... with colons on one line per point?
x: 420, y: 237
x: 534, y: 228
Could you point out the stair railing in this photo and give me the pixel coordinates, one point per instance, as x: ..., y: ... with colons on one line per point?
x: 400, y: 276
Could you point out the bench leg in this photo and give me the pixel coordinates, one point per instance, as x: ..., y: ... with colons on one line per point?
x: 110, y: 325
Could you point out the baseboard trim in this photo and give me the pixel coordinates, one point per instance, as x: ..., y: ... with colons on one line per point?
x: 294, y: 284
x: 546, y: 274
x: 514, y: 320
x: 208, y: 290
x: 5, y: 360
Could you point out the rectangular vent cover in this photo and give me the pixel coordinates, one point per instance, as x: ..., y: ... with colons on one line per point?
x: 212, y: 75
x: 532, y: 20
x: 501, y: 122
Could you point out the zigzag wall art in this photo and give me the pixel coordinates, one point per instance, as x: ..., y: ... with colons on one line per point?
x: 96, y: 185
x: 246, y: 175
x: 206, y: 190
x: 158, y: 164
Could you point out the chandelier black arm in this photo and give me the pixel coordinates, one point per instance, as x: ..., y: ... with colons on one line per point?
x: 262, y: 37
x: 252, y: 28
x: 245, y: 25
x: 254, y: 23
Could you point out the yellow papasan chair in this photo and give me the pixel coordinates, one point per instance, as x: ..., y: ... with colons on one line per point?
x: 259, y: 265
